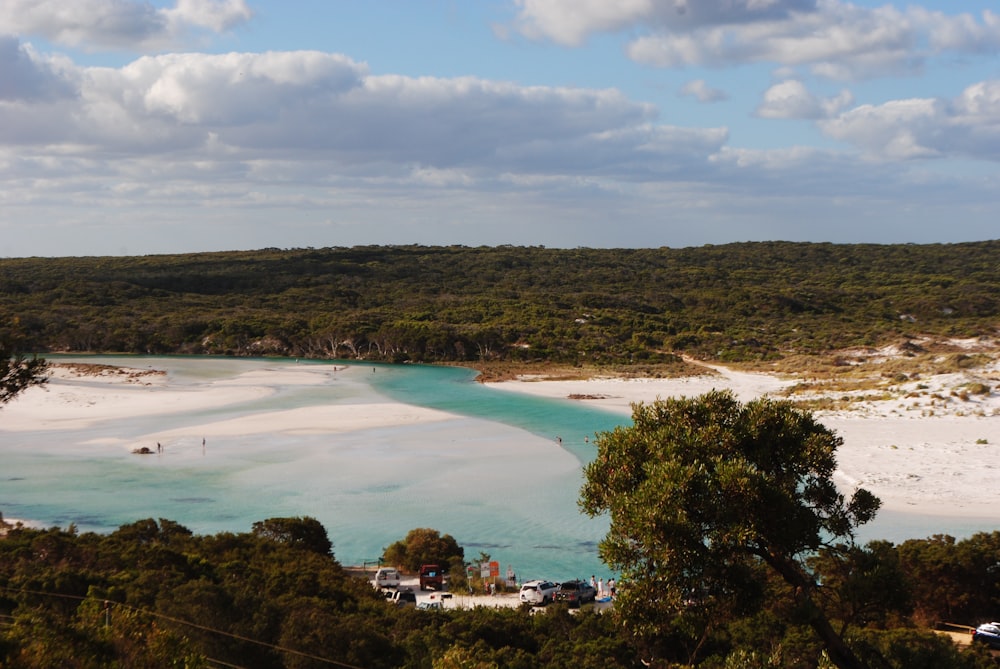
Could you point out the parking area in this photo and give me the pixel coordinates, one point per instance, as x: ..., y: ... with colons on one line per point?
x: 449, y: 600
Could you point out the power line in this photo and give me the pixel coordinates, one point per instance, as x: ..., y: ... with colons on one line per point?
x: 180, y: 621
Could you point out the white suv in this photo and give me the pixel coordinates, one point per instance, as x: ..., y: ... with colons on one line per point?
x: 538, y: 592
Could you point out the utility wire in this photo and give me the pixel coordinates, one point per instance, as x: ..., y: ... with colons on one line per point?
x: 179, y: 621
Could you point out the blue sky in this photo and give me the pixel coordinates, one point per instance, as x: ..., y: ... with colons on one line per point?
x: 201, y: 125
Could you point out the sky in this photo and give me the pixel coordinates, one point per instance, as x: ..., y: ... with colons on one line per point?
x: 136, y: 127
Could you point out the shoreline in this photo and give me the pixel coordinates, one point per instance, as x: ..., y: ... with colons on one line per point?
x: 923, y: 450
x: 303, y: 441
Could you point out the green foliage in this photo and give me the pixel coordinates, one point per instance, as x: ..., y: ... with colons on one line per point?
x: 307, y: 533
x: 953, y: 581
x: 915, y: 649
x: 17, y: 372
x: 153, y: 590
x: 863, y: 586
x: 705, y: 492
x: 731, y: 302
x: 424, y: 546
x: 152, y: 594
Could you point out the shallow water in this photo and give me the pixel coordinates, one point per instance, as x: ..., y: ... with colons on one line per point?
x: 367, y: 487
x: 495, y: 475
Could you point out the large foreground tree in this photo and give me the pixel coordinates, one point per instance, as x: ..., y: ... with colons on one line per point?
x: 705, y: 495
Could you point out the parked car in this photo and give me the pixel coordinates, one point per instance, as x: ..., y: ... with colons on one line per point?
x: 430, y: 606
x: 387, y: 577
x: 404, y: 598
x: 988, y: 633
x: 538, y: 592
x: 576, y: 593
x: 431, y: 577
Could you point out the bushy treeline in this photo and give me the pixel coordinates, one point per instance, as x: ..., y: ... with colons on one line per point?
x: 152, y: 594
x: 398, y: 303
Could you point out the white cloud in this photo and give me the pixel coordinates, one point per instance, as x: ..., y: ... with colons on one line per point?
x: 226, y: 140
x: 891, y: 130
x: 321, y: 116
x: 215, y: 15
x: 962, y: 32
x: 118, y: 24
x: 570, y: 22
x: 311, y: 106
x: 837, y: 39
x: 26, y: 76
x: 980, y: 101
x: 791, y: 100
x: 188, y: 87
x: 702, y: 92
x: 966, y: 127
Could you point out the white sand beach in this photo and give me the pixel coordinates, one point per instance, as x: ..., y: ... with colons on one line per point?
x: 78, y: 395
x: 926, y: 450
x: 244, y: 440
x: 923, y: 449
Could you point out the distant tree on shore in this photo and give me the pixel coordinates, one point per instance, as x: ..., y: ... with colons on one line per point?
x: 424, y: 546
x: 305, y: 532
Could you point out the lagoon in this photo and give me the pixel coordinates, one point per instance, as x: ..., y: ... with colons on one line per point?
x: 371, y: 451
x: 491, y: 471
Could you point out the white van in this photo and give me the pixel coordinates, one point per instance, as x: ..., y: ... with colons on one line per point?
x: 387, y: 577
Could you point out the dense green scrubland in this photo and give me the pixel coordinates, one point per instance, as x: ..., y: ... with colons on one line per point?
x: 152, y: 594
x: 748, y: 301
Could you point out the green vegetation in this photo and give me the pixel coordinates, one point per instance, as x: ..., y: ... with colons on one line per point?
x: 640, y: 307
x: 17, y: 372
x: 705, y: 496
x: 152, y: 594
x: 734, y: 547
x: 424, y: 546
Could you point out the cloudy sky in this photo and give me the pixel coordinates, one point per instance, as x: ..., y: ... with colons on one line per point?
x: 141, y: 127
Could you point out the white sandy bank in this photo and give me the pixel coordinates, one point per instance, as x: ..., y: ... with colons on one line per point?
x: 932, y: 455
x: 74, y: 399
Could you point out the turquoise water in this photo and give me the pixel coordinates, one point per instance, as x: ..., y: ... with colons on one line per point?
x: 368, y: 487
x: 455, y: 390
x: 502, y: 475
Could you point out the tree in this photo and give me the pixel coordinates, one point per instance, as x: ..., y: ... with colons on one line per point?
x: 863, y: 585
x: 305, y: 532
x: 18, y: 372
x: 953, y: 580
x: 423, y: 545
x: 704, y: 492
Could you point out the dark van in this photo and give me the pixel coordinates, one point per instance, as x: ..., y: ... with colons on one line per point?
x: 431, y: 577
